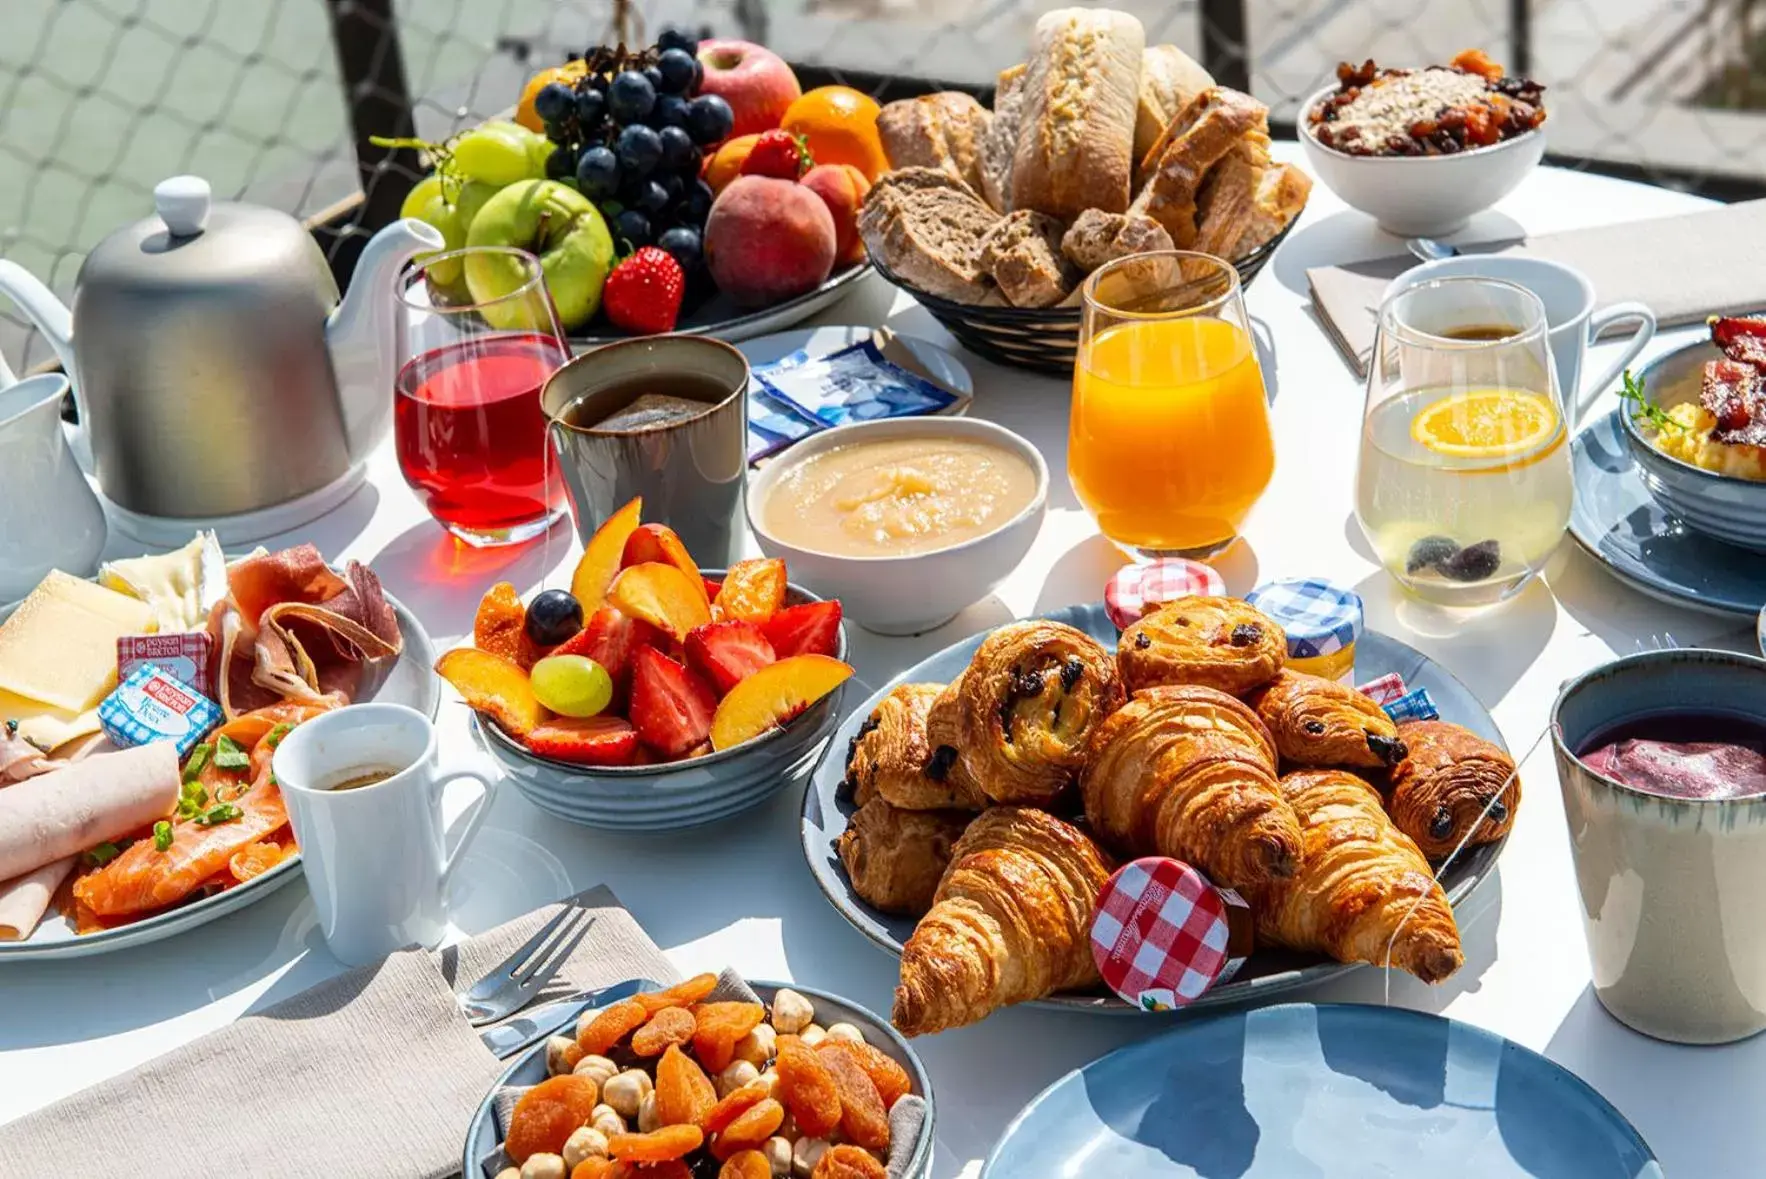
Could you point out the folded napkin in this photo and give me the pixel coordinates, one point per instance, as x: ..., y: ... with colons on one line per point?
x: 371, y: 1074
x: 1683, y: 268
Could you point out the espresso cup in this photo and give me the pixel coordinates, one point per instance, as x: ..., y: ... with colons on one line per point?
x: 1571, y: 319
x: 1670, y: 886
x: 375, y: 855
x: 690, y: 473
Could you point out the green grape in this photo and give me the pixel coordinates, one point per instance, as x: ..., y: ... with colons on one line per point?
x: 572, y: 685
x: 428, y: 203
x: 538, y: 149
x: 417, y: 200
x: 493, y: 154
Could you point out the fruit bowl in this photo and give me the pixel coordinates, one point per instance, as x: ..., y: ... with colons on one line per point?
x: 675, y: 795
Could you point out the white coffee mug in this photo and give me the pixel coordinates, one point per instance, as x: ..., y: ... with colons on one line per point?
x: 376, y: 856
x: 1572, y: 323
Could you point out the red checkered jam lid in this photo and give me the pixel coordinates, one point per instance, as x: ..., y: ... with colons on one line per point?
x: 1138, y: 588
x: 1162, y: 934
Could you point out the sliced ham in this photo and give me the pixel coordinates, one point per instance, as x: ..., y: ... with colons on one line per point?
x: 24, y: 901
x: 59, y: 814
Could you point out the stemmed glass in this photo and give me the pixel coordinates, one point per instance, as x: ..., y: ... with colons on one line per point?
x: 1463, y: 486
x: 467, y: 422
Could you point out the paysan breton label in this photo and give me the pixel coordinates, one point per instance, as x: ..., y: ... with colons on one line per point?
x: 153, y: 705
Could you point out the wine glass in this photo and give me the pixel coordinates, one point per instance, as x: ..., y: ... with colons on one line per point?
x: 1463, y: 486
x: 1169, y: 445
x: 467, y: 422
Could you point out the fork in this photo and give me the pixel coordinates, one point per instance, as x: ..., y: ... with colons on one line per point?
x: 517, y: 979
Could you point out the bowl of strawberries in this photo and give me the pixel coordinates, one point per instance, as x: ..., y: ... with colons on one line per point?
x: 653, y: 695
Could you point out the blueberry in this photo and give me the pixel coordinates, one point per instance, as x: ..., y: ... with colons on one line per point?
x: 652, y: 197
x: 683, y: 243
x: 590, y: 106
x: 677, y: 147
x: 597, y: 173
x: 639, y: 149
x: 561, y: 163
x: 696, y: 204
x: 1429, y: 552
x: 673, y: 38
x: 631, y: 98
x: 1475, y: 562
x: 710, y: 119
x: 655, y: 77
x: 676, y: 68
x: 554, y: 103
x: 633, y: 226
x: 671, y: 111
x: 552, y: 617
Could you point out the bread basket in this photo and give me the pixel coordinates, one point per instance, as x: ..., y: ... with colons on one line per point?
x: 1043, y: 339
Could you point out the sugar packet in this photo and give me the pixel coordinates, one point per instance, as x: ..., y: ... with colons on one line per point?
x: 857, y: 383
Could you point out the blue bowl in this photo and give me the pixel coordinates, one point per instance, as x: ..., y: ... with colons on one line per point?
x: 681, y: 794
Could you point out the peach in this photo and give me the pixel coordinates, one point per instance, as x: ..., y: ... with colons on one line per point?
x: 725, y: 164
x: 754, y: 80
x: 660, y: 544
x: 768, y: 240
x: 601, y: 557
x: 490, y: 683
x: 773, y: 695
x: 842, y: 188
x: 661, y: 595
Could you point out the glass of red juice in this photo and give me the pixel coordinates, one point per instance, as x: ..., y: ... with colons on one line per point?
x: 467, y: 423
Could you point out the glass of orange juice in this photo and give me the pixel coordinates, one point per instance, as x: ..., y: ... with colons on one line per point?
x: 1169, y: 444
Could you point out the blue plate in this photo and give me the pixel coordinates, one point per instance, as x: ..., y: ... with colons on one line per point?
x: 1617, y: 520
x: 1266, y: 972
x: 1335, y: 1091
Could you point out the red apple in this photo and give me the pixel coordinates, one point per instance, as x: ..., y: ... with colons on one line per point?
x: 754, y: 80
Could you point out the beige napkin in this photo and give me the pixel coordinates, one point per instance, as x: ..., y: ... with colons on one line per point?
x: 1683, y: 268
x: 374, y: 1073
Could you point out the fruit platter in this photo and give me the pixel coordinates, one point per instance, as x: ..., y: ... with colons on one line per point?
x: 687, y: 185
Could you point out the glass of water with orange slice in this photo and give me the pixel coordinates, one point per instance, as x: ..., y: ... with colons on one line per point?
x: 1463, y: 486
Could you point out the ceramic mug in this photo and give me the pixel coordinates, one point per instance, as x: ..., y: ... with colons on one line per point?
x: 1670, y: 886
x: 375, y: 855
x: 690, y: 473
x: 1572, y: 321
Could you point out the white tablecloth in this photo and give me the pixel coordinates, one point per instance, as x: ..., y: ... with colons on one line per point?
x: 739, y: 894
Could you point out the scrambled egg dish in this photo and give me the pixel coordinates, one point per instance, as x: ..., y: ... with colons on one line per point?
x: 1694, y: 445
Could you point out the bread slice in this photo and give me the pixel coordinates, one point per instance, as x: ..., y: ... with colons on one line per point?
x: 1280, y: 198
x: 1227, y: 199
x: 1023, y: 254
x: 1097, y: 237
x: 1196, y: 139
x: 1076, y: 143
x: 943, y: 131
x: 926, y: 227
x: 1169, y: 79
x: 1000, y: 142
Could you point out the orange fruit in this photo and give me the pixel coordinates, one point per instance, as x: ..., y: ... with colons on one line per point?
x: 725, y: 164
x: 840, y: 125
x: 567, y: 73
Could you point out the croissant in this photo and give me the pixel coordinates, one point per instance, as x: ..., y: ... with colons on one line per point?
x: 895, y: 858
x: 1438, y: 793
x: 1203, y: 641
x: 1190, y: 773
x: 1319, y: 722
x: 1016, y: 722
x: 890, y: 756
x: 1011, y: 922
x: 1363, y: 893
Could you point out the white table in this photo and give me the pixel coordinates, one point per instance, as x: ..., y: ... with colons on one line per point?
x: 739, y: 894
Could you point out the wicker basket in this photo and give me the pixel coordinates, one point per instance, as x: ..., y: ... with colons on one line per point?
x: 1044, y: 339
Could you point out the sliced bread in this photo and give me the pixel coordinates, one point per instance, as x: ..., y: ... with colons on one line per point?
x: 1023, y: 255
x: 1076, y: 140
x: 1097, y: 237
x: 1196, y: 139
x: 926, y: 227
x: 1280, y: 198
x: 999, y: 144
x: 942, y: 131
x: 1169, y: 79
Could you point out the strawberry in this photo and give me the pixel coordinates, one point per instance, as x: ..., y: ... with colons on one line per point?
x: 779, y: 154
x: 611, y: 639
x: 643, y: 294
x: 810, y: 629
x: 726, y: 653
x: 671, y: 706
x: 589, y: 741
x: 712, y: 588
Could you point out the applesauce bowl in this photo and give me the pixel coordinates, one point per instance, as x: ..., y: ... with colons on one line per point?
x: 909, y: 594
x: 675, y: 795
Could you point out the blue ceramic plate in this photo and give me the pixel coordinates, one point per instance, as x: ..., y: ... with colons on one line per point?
x: 1617, y: 520
x: 1266, y: 972
x: 1322, y: 1092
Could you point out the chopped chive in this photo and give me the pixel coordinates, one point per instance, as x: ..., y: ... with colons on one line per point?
x: 221, y: 812
x: 274, y: 737
x: 229, y: 756
x: 198, y: 759
x: 103, y: 854
x: 162, y: 835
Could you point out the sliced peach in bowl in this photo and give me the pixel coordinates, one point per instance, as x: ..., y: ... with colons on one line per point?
x: 774, y: 695
x: 660, y: 544
x: 753, y: 590
x: 661, y: 595
x: 601, y: 558
x: 492, y: 684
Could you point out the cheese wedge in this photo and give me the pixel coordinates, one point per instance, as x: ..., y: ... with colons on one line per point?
x: 44, y: 725
x: 177, y: 585
x: 59, y: 648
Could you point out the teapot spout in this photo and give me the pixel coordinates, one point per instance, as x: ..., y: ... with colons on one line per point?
x: 42, y: 308
x: 359, y: 332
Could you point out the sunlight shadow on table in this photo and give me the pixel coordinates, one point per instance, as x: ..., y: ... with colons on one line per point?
x: 425, y: 567
x: 1625, y: 620
x: 336, y: 530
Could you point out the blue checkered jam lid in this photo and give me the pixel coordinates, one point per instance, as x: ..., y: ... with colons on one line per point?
x: 1318, y: 616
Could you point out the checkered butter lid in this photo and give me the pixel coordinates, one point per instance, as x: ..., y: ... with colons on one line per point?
x: 1138, y: 588
x: 153, y: 705
x: 1416, y: 705
x: 1319, y: 617
x: 1162, y: 934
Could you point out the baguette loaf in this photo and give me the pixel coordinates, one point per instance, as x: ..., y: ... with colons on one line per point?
x: 1201, y: 134
x: 926, y: 227
x: 1000, y: 141
x: 1169, y: 79
x: 1097, y: 237
x: 1023, y: 254
x: 1076, y: 141
x: 942, y: 131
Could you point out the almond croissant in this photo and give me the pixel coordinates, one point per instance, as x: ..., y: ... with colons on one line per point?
x: 1190, y: 773
x: 1011, y: 922
x: 1361, y: 882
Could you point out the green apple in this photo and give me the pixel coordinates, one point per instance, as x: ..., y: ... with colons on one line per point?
x: 559, y: 225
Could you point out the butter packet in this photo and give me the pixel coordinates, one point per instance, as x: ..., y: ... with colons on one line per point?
x: 774, y: 424
x: 856, y: 384
x: 153, y: 705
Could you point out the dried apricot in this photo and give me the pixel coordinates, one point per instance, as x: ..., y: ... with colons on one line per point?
x: 669, y: 1169
x: 719, y: 1027
x: 863, y: 1120
x: 684, y: 1094
x: 596, y: 1168
x: 547, y: 1114
x: 738, y: 1102
x: 658, y: 1146
x: 610, y: 1026
x: 671, y: 1025
x: 892, y: 1080
x: 682, y: 994
x: 746, y: 1164
x: 750, y: 1131
x: 808, y: 1090
x: 848, y: 1162
x: 753, y: 590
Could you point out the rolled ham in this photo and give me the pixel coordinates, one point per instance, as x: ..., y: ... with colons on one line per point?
x: 24, y: 901
x: 60, y: 814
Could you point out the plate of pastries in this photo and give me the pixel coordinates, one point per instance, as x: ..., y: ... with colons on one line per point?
x: 987, y: 794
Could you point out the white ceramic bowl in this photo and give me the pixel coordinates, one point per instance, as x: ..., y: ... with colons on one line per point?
x: 1421, y: 196
x: 906, y: 595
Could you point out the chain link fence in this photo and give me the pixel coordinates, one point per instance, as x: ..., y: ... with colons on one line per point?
x: 273, y: 100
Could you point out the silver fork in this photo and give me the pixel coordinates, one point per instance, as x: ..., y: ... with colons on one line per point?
x: 518, y: 978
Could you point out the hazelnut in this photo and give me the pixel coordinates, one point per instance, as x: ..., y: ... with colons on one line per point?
x: 778, y: 1156
x: 736, y: 1076
x: 597, y: 1069
x: 791, y: 1011
x: 759, y: 1045
x: 607, y: 1120
x: 846, y: 1032
x: 562, y: 1055
x: 625, y: 1092
x: 805, y: 1155
x: 585, y: 1142
x: 647, y: 1119
x: 812, y: 1035
x: 544, y: 1166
